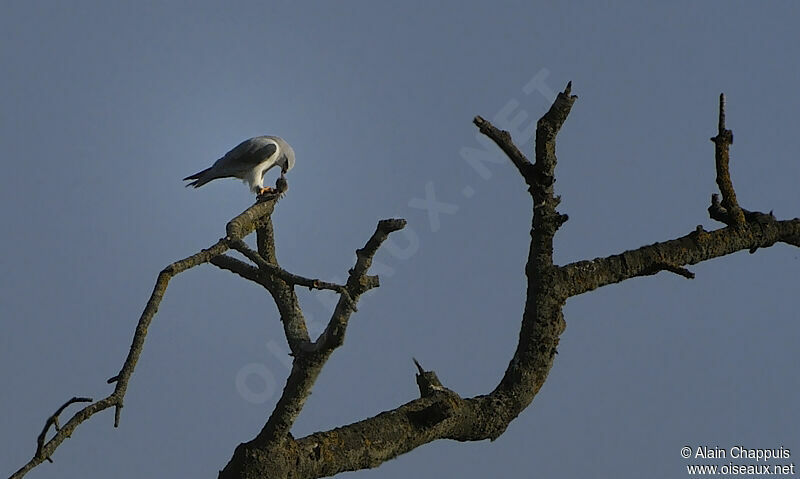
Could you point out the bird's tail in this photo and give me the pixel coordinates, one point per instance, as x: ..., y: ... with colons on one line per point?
x: 199, y: 178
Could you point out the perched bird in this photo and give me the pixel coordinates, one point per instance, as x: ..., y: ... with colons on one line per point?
x: 249, y: 161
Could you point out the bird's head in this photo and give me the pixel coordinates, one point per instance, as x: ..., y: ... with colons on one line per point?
x: 286, y: 160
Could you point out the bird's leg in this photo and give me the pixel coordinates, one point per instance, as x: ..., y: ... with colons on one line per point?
x: 281, y: 185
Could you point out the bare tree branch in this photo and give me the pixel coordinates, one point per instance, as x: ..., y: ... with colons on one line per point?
x: 680, y: 271
x: 439, y: 412
x: 53, y: 421
x: 427, y: 381
x: 503, y: 139
x: 294, y: 324
x: 357, y: 284
x: 245, y: 223
x: 239, y: 268
x: 695, y: 247
x: 287, y: 277
x: 722, y: 143
x: 308, y: 362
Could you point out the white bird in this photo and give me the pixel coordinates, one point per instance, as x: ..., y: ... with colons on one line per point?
x: 249, y: 161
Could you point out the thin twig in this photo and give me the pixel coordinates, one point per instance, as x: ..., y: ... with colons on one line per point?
x: 503, y: 139
x: 358, y: 283
x: 658, y: 267
x: 53, y: 421
x: 722, y: 143
x: 239, y: 268
x: 286, y: 276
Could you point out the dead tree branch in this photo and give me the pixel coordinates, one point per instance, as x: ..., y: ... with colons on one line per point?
x: 242, y: 224
x: 53, y: 421
x: 722, y: 145
x: 310, y: 359
x: 439, y: 412
x: 279, y: 282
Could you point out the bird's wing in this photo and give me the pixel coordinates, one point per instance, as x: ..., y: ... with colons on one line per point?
x: 247, y: 155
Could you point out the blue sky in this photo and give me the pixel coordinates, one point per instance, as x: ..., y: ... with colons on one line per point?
x: 107, y: 105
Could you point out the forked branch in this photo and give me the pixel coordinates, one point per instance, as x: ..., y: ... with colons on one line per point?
x: 438, y: 412
x: 275, y: 279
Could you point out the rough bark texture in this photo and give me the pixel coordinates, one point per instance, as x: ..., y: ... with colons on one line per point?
x: 439, y: 413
